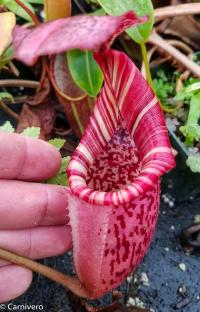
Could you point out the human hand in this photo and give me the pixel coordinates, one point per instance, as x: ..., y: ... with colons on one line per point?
x: 33, y: 216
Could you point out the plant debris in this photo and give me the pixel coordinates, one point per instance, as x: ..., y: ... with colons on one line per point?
x: 181, y: 304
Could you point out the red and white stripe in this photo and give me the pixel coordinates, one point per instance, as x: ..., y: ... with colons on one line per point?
x: 125, y: 92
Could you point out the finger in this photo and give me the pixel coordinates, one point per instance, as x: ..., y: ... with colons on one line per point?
x: 14, y: 281
x: 25, y: 158
x: 37, y: 243
x: 24, y: 205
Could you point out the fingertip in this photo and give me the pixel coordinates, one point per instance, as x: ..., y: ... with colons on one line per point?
x: 41, y: 156
x: 53, y: 241
x: 26, y: 158
x: 61, y: 240
x: 14, y: 281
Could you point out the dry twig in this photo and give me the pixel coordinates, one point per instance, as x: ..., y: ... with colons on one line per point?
x: 176, y: 10
x: 9, y: 111
x: 158, y: 41
x: 19, y: 83
x: 71, y: 283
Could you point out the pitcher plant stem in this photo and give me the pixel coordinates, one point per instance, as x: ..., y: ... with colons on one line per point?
x: 29, y: 12
x: 72, y: 283
x: 146, y: 63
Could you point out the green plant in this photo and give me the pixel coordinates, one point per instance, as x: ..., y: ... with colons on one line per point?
x: 191, y: 95
x: 191, y: 129
x: 164, y: 86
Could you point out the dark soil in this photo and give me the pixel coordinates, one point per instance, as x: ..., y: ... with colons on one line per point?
x: 162, y: 267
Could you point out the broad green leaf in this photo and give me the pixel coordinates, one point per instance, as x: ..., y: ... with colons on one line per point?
x: 17, y: 9
x: 7, y: 127
x: 61, y: 176
x: 32, y: 132
x: 99, y: 12
x: 6, y: 95
x: 194, y: 163
x: 85, y: 71
x: 57, y: 143
x: 7, y: 23
x: 141, y: 7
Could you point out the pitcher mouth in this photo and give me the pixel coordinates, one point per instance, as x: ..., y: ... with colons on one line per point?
x: 125, y: 98
x: 117, y: 175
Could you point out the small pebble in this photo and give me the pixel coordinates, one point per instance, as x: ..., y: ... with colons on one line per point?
x: 135, y: 302
x: 135, y: 279
x: 129, y: 279
x: 197, y: 219
x: 168, y: 201
x: 193, y: 150
x: 182, y: 267
x: 144, y: 279
x: 42, y: 14
x: 167, y: 249
x: 182, y: 290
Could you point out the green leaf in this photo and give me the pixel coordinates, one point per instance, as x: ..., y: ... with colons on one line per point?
x: 7, y: 127
x: 32, y: 132
x: 181, y: 95
x: 188, y: 91
x: 61, y: 176
x: 99, y: 12
x: 35, y: 1
x: 6, y: 57
x: 193, y: 87
x: 194, y: 163
x: 140, y: 33
x: 192, y: 129
x: 57, y: 143
x: 191, y: 132
x: 85, y: 71
x: 7, y: 96
x: 17, y: 9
